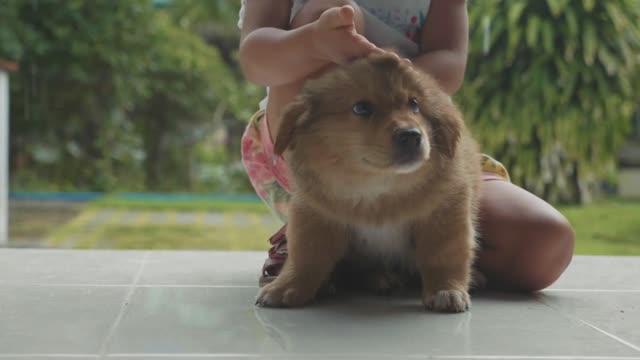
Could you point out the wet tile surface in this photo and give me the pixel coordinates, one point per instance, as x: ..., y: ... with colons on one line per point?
x: 186, y: 305
x: 232, y: 268
x: 601, y: 273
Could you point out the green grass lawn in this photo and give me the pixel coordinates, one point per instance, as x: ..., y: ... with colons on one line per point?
x: 32, y: 223
x: 127, y: 229
x: 177, y: 237
x: 606, y: 228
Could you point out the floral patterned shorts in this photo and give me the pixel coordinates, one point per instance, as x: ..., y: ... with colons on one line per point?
x: 269, y: 175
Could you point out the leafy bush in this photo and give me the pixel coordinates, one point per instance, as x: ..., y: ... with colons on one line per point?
x: 551, y: 87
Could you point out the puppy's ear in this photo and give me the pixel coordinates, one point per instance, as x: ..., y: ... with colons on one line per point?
x: 440, y: 112
x: 447, y: 124
x: 294, y: 115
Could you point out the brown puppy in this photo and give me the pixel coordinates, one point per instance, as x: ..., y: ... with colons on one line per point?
x: 385, y: 171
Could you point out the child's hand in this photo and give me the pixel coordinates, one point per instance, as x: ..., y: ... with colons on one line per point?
x: 394, y: 53
x: 335, y: 37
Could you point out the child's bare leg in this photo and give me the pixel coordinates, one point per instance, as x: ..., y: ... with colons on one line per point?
x: 526, y: 243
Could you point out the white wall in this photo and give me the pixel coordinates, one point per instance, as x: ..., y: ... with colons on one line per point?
x: 629, y: 183
x: 4, y: 158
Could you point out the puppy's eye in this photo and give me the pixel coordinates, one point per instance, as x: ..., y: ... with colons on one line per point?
x: 362, y: 108
x: 413, y: 105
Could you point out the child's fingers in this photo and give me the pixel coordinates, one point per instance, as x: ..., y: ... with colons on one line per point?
x: 377, y: 50
x: 361, y: 47
x: 397, y: 56
x: 347, y: 15
x: 338, y: 17
x: 364, y: 42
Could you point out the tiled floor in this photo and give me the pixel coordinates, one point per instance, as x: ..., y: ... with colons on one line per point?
x: 199, y: 305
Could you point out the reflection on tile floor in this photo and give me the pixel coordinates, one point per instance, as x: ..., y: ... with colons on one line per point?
x: 186, y: 305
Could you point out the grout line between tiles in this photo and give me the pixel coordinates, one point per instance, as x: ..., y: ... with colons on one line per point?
x: 603, y: 332
x: 125, y: 306
x: 614, y: 337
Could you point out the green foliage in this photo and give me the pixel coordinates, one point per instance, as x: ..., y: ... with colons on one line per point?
x: 551, y: 86
x: 216, y: 22
x: 187, y: 82
x: 115, y: 94
x: 11, y: 47
x: 198, y: 14
x: 80, y: 65
x: 125, y: 95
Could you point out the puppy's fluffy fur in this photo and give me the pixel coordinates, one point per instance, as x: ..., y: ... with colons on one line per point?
x: 384, y: 173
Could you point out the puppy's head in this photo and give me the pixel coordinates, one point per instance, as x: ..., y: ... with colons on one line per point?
x: 375, y: 115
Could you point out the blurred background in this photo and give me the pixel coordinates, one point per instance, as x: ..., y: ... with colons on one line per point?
x: 126, y: 118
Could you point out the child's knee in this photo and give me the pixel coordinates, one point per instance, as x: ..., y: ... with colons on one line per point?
x: 312, y: 10
x: 546, y: 253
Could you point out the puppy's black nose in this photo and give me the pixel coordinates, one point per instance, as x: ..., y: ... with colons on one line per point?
x: 407, y: 140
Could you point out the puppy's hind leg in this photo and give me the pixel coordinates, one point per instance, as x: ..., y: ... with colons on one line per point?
x: 315, y: 246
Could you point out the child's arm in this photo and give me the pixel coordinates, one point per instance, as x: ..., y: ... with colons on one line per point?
x: 444, y: 43
x: 272, y: 56
x: 269, y: 54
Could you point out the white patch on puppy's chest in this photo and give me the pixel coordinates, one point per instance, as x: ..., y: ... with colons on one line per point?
x: 365, y: 190
x: 388, y: 241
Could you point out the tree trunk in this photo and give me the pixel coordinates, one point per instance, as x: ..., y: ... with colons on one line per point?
x: 152, y: 138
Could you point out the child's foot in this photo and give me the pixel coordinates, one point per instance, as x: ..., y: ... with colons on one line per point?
x: 277, y: 255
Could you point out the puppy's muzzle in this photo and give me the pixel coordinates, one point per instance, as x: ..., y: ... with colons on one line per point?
x: 407, y: 145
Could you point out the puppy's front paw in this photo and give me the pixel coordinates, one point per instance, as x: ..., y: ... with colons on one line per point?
x: 283, y: 295
x: 447, y: 301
